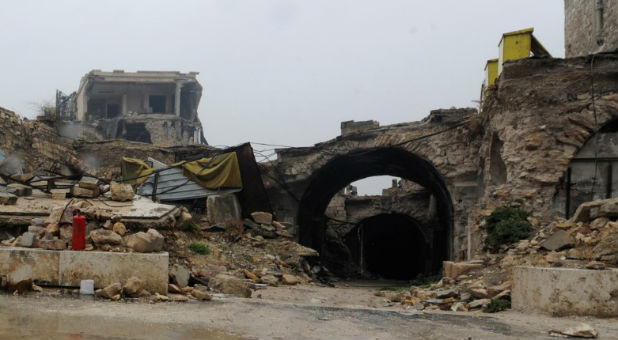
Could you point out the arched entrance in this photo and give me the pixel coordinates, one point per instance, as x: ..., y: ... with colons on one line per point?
x: 593, y: 171
x: 355, y: 165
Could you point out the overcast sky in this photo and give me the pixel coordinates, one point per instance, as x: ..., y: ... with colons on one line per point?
x: 274, y: 71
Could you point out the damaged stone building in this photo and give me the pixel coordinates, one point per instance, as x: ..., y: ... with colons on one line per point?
x: 544, y: 140
x: 155, y: 107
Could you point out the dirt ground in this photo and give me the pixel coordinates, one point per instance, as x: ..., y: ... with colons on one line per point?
x: 303, y: 312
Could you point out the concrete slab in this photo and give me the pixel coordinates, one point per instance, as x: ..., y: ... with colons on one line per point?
x: 141, y: 212
x: 566, y: 291
x: 24, y: 263
x: 67, y: 268
x: 108, y: 267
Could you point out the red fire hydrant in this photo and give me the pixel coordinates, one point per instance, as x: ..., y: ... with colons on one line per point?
x: 79, y: 232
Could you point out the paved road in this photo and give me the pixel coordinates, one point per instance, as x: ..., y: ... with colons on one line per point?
x: 66, y: 318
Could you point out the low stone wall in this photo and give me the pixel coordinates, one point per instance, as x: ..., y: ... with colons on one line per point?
x: 566, y: 291
x: 68, y: 268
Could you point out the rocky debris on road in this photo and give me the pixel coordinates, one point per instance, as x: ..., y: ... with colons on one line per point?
x: 229, y: 284
x: 111, y: 292
x: 582, y: 330
x: 588, y: 240
x: 180, y: 275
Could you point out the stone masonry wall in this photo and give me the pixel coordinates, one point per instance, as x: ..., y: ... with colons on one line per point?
x: 536, y: 119
x: 590, y: 26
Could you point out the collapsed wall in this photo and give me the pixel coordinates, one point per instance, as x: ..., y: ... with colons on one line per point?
x: 540, y: 114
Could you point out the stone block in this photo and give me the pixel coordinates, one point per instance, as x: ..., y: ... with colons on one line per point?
x: 7, y: 198
x: 106, y: 268
x: 59, y: 194
x: 89, y: 183
x: 78, y: 191
x: 180, y: 274
x: 19, y: 189
x: 566, y: 291
x: 222, y: 209
x: 262, y: 217
x: 145, y: 242
x: 21, y: 264
x: 229, y: 284
x: 454, y: 269
x: 557, y: 241
x: 583, y: 212
x: 121, y: 191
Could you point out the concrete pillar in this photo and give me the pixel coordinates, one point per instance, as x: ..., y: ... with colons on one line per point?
x: 123, y: 109
x: 177, y: 99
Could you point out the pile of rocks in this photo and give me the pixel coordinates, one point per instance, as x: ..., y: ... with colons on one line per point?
x: 104, y: 230
x: 86, y: 187
x: 240, y: 259
x: 588, y: 240
x: 134, y: 288
x: 262, y: 224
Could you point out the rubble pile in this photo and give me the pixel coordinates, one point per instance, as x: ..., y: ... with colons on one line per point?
x: 241, y: 256
x: 104, y: 231
x: 589, y: 240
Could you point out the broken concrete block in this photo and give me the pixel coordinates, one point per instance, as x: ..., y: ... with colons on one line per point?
x: 180, y: 275
x: 27, y: 239
x: 262, y: 217
x: 19, y: 189
x: 229, y: 284
x: 583, y: 212
x: 61, y: 215
x: 454, y: 269
x: 145, y: 242
x: 58, y: 194
x: 121, y: 191
x: 89, y: 183
x: 78, y: 191
x: 290, y: 279
x: 222, y: 209
x: 558, y: 240
x: 7, y: 199
x: 104, y: 236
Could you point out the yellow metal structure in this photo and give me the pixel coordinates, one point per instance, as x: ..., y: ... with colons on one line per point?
x: 491, y: 72
x: 518, y: 45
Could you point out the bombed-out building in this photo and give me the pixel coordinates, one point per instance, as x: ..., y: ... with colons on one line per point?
x: 157, y: 107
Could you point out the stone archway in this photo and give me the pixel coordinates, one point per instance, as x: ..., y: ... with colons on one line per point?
x: 354, y: 165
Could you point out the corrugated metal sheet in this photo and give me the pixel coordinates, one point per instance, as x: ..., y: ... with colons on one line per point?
x: 173, y: 185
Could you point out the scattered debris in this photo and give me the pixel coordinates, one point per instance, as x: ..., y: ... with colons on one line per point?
x: 582, y: 330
